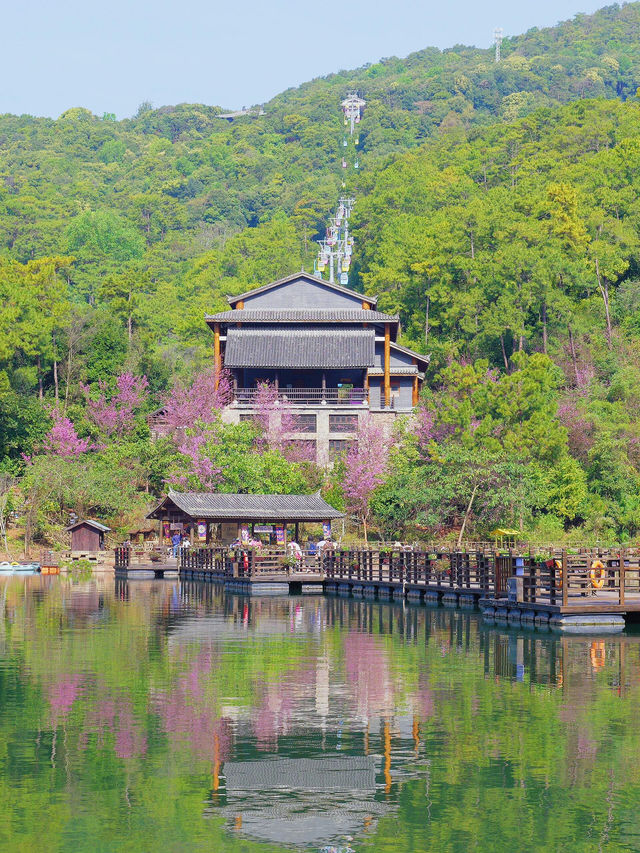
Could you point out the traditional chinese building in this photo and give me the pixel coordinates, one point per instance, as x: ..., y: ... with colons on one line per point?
x: 327, y: 350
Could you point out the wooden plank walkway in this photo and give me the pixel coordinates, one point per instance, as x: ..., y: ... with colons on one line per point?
x: 526, y: 587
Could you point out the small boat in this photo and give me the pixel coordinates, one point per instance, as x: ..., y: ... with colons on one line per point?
x: 19, y: 568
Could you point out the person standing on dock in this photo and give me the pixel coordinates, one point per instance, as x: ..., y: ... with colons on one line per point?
x: 175, y: 542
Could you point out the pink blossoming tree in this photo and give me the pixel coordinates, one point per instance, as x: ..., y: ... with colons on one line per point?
x: 116, y: 416
x: 198, y: 402
x: 276, y: 422
x: 365, y: 468
x: 62, y: 439
x: 191, y: 411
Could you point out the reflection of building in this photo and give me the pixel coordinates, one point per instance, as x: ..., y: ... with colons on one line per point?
x: 301, y: 800
x: 326, y: 349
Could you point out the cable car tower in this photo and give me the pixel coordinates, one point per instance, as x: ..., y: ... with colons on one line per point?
x: 337, y: 247
x: 497, y: 40
x: 352, y: 107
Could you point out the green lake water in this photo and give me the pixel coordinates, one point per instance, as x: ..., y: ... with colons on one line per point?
x: 154, y: 716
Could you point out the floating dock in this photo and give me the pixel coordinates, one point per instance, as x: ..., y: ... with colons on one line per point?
x: 595, y: 590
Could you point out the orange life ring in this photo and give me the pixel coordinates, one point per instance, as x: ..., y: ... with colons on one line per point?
x: 557, y: 564
x: 598, y: 574
x: 245, y: 560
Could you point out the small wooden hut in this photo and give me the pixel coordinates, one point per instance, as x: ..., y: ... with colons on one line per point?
x: 87, y: 535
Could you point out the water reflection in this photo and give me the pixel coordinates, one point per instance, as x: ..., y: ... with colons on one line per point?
x: 140, y: 715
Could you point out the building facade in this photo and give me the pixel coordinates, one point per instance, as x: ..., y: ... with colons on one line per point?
x: 327, y: 350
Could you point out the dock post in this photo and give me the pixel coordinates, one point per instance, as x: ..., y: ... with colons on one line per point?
x: 621, y: 575
x: 565, y: 580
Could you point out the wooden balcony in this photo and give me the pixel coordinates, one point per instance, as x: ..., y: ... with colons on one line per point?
x: 308, y: 396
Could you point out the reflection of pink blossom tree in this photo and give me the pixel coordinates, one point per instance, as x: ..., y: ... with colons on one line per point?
x: 130, y: 739
x: 116, y: 415
x: 61, y: 695
x: 365, y: 467
x: 188, y: 711
x: 62, y: 439
x: 367, y: 669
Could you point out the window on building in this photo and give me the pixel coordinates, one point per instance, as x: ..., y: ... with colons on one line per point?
x: 304, y: 423
x: 343, y: 423
x: 246, y: 418
x: 338, y: 447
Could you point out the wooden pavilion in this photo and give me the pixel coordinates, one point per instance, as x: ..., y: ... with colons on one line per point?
x: 207, y: 517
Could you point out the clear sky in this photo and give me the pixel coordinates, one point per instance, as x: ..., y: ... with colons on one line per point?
x: 111, y: 56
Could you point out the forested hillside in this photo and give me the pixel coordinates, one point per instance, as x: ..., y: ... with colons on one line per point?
x: 497, y: 211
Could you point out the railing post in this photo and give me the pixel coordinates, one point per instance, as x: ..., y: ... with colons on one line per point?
x: 621, y: 576
x: 565, y: 580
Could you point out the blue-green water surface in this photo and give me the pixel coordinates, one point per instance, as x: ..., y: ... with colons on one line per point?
x: 154, y: 716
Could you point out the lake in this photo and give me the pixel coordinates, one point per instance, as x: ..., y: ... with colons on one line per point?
x: 158, y: 716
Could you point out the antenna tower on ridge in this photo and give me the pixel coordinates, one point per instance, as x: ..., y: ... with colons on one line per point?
x: 497, y: 40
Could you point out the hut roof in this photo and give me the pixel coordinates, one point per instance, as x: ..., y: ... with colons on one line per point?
x: 214, y: 506
x: 97, y: 525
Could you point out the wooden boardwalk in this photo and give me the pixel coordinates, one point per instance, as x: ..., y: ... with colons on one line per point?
x: 589, y: 588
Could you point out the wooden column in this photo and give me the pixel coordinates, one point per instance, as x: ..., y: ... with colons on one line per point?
x: 217, y: 360
x: 387, y: 366
x: 366, y: 384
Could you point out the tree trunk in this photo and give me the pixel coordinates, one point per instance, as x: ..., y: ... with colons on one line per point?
x: 603, y: 287
x: 504, y: 354
x: 39, y: 368
x: 573, y: 354
x: 466, y: 515
x: 544, y: 328
x: 426, y: 324
x: 364, y: 530
x: 68, y: 377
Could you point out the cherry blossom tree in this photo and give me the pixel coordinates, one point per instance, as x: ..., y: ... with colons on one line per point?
x: 364, y: 469
x: 115, y: 416
x: 276, y: 421
x: 198, y: 402
x: 62, y: 439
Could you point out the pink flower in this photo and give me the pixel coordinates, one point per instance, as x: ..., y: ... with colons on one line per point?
x: 62, y: 439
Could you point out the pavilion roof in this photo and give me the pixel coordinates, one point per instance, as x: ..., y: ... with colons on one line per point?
x: 216, y: 506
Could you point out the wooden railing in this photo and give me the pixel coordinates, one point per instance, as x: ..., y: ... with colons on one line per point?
x: 307, y: 396
x: 562, y: 579
x: 244, y: 562
x: 572, y: 579
x: 457, y: 571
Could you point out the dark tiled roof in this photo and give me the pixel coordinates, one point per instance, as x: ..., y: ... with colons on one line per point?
x: 310, y: 315
x: 250, y: 507
x: 300, y: 348
x: 372, y: 300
